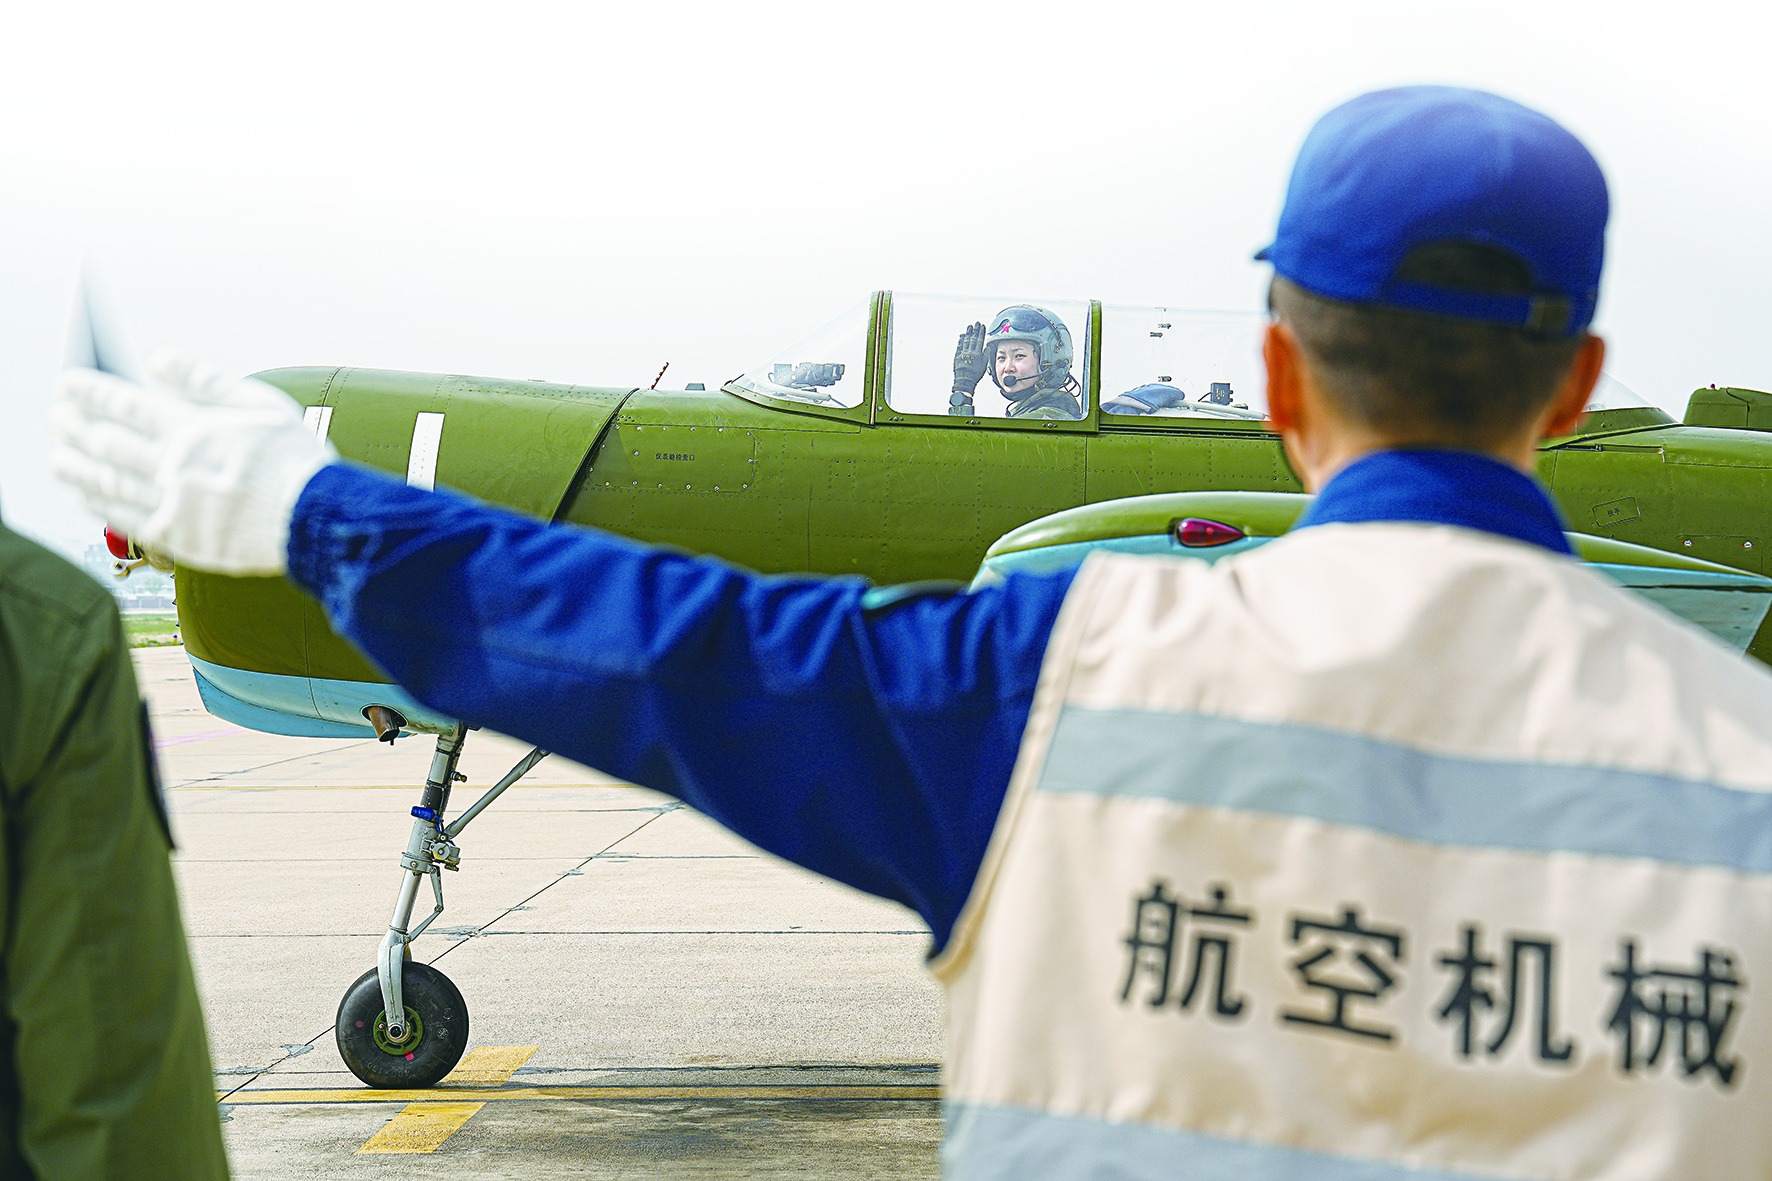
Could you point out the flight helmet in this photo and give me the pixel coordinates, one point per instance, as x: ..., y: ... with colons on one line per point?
x: 1047, y: 333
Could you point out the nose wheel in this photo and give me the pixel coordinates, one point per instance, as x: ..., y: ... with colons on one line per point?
x: 430, y: 1045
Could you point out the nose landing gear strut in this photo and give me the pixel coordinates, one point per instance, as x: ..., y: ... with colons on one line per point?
x: 403, y: 1024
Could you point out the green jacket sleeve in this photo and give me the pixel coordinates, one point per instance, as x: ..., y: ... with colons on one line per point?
x: 108, y: 1074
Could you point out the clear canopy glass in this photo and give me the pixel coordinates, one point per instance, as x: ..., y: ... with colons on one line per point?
x: 827, y: 368
x: 1612, y: 394
x: 1176, y: 363
x: 926, y: 332
x: 1155, y: 361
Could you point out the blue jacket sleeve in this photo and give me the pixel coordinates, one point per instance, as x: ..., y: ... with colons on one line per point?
x: 873, y: 746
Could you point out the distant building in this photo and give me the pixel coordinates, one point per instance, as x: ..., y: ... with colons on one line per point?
x: 146, y: 589
x: 97, y: 562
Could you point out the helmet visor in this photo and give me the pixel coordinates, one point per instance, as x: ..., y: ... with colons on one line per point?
x: 1018, y: 320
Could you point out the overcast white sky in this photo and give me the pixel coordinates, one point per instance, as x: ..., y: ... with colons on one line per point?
x: 581, y: 192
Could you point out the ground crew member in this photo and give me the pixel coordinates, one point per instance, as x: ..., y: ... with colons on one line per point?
x: 1402, y: 847
x: 106, y: 1071
x: 1027, y: 353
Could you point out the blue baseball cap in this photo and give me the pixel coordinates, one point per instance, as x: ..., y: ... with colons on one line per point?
x: 1397, y: 169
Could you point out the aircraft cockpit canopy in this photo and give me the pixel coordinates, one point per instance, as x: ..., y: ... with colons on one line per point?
x: 970, y: 358
x: 1022, y: 358
x: 1176, y: 363
x: 827, y: 368
x: 1612, y: 394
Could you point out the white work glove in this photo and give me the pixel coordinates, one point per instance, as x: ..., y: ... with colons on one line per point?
x: 202, y: 466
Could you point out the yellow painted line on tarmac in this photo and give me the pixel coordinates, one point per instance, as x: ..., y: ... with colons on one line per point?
x: 423, y: 1126
x: 488, y: 1066
x: 545, y: 1094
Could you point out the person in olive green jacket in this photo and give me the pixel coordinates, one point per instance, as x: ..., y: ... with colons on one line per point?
x: 104, y: 1068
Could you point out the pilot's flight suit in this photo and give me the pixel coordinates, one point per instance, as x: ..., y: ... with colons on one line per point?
x: 1401, y: 848
x: 1046, y: 402
x: 105, y: 1071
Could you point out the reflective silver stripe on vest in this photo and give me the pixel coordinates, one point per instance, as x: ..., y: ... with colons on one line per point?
x: 1277, y: 769
x: 1011, y: 1144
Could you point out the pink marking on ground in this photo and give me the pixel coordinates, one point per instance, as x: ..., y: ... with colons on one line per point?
x: 162, y: 743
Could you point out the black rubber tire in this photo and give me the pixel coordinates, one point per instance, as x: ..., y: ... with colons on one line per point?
x: 442, y: 1021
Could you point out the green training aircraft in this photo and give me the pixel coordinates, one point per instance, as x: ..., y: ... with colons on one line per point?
x: 847, y: 454
x: 897, y: 443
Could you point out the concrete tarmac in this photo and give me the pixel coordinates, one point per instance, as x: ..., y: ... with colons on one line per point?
x: 648, y: 995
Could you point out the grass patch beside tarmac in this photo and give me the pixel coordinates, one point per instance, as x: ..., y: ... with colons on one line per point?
x: 151, y: 629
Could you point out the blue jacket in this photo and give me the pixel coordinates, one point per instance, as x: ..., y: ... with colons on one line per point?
x: 873, y: 746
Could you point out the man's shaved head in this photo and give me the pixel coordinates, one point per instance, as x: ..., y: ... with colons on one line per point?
x: 1427, y: 379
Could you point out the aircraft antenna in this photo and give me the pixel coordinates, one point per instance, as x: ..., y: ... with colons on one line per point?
x: 661, y: 370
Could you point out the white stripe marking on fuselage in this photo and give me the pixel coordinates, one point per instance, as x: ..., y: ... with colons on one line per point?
x: 319, y: 420
x: 427, y: 437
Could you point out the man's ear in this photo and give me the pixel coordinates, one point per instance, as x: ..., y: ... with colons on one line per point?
x: 1564, y: 413
x: 1279, y: 350
x: 1286, y: 409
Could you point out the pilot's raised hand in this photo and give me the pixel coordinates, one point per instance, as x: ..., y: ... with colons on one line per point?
x: 969, y: 360
x: 969, y: 367
x: 202, y: 466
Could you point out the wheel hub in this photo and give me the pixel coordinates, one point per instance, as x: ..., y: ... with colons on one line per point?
x: 415, y: 1032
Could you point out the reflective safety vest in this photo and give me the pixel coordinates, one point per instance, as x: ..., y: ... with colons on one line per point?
x: 1385, y: 851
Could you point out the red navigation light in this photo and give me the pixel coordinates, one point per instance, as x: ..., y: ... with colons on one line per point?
x: 118, y: 543
x: 1197, y: 531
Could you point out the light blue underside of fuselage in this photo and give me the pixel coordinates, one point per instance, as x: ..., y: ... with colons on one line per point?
x: 307, y: 707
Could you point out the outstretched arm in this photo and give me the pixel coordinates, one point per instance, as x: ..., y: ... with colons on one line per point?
x: 872, y: 746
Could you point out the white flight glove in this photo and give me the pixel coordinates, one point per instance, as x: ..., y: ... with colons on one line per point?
x: 204, y: 467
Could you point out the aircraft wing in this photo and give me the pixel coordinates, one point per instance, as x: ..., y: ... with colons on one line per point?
x: 1728, y: 603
